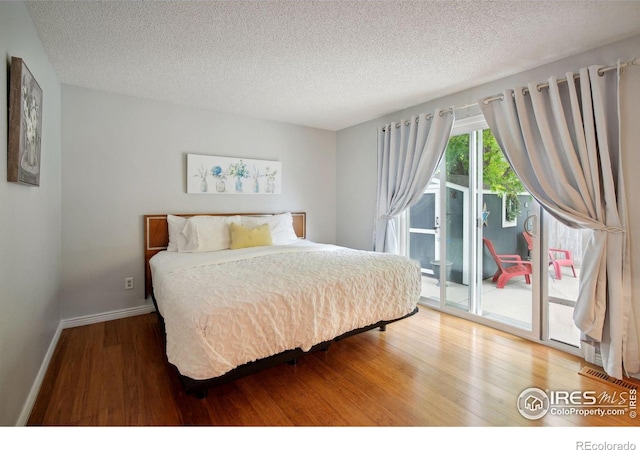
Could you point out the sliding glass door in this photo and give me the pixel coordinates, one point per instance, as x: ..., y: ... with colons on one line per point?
x: 487, y: 250
x: 467, y: 231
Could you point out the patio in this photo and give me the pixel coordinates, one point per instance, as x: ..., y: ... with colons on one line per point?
x: 513, y: 304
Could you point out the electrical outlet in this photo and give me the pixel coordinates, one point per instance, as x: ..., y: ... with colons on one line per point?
x: 128, y: 283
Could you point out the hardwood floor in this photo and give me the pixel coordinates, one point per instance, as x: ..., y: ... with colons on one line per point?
x: 431, y: 369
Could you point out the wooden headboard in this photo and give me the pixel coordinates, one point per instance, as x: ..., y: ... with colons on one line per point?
x: 156, y: 235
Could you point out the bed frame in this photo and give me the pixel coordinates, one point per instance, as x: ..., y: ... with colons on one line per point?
x: 156, y: 239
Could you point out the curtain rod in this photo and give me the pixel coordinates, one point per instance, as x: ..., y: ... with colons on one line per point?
x: 633, y: 62
x: 427, y: 117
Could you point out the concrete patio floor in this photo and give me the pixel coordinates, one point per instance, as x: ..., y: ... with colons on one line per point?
x: 513, y: 303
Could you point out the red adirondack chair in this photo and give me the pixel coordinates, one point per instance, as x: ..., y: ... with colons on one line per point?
x: 509, y: 266
x: 565, y: 261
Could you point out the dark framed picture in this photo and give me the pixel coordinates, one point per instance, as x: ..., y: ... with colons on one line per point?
x: 25, y: 125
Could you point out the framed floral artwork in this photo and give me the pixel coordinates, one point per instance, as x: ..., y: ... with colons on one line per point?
x: 223, y: 175
x: 25, y: 125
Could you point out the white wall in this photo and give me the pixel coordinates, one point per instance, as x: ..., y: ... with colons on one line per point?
x: 357, y: 145
x: 124, y: 157
x: 30, y: 226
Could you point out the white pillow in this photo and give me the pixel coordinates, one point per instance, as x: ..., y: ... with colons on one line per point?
x: 207, y: 233
x: 280, y: 225
x: 176, y: 238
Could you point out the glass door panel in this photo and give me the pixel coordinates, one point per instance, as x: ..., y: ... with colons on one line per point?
x: 457, y: 187
x: 507, y: 265
x: 508, y: 276
x: 564, y: 257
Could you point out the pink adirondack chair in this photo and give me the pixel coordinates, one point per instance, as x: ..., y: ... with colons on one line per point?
x: 509, y: 266
x: 566, y: 260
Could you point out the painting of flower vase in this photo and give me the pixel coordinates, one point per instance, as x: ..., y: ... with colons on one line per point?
x: 208, y: 174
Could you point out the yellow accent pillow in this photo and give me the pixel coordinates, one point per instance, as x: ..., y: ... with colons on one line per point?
x: 243, y: 237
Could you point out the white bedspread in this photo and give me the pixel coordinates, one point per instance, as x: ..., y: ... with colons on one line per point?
x: 223, y: 309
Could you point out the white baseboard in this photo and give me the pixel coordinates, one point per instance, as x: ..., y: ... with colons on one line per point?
x: 105, y: 317
x: 35, y: 388
x: 71, y: 323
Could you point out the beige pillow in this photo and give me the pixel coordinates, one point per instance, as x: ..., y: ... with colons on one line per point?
x: 243, y: 237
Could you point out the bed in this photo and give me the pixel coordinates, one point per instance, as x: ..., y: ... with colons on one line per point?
x: 237, y: 293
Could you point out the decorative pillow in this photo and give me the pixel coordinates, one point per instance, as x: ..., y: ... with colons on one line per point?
x: 243, y: 237
x: 176, y: 238
x: 280, y: 226
x: 207, y: 233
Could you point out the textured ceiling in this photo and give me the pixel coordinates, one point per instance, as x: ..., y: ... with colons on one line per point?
x: 324, y: 64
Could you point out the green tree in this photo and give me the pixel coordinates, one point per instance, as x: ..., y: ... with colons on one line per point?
x: 457, y: 155
x: 497, y: 174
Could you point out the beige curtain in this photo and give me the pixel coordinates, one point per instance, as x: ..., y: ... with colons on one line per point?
x: 408, y: 155
x: 563, y: 141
